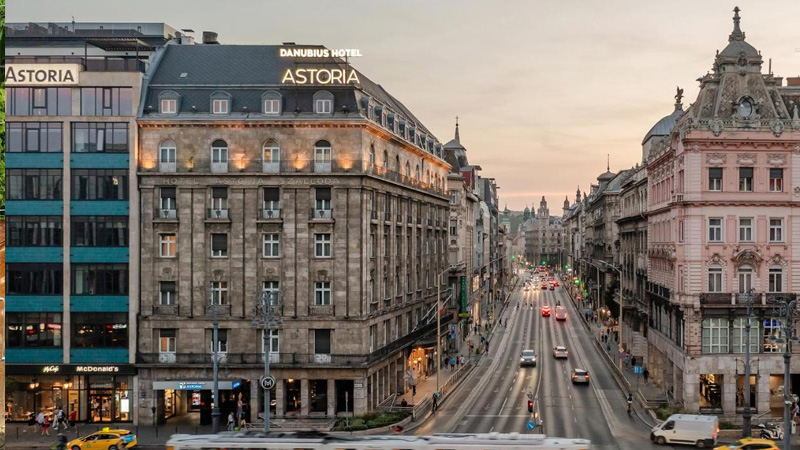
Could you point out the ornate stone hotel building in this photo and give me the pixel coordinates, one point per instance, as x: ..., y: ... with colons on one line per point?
x: 330, y: 193
x: 724, y: 224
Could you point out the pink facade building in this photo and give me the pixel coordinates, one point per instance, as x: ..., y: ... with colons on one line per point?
x: 723, y: 221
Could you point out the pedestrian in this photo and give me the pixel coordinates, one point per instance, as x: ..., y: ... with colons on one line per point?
x: 404, y: 403
x: 32, y: 422
x: 40, y: 420
x: 633, y: 361
x: 462, y: 360
x: 62, y: 442
x: 487, y: 346
x: 608, y: 348
x: 435, y: 400
x: 46, y: 426
x: 645, y: 374
x: 231, y: 421
x: 453, y: 362
x: 475, y: 329
x: 240, y: 408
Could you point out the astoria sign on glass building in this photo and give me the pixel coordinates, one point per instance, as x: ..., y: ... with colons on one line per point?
x: 319, y: 75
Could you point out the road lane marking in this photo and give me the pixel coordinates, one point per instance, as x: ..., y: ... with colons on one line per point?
x: 504, y: 404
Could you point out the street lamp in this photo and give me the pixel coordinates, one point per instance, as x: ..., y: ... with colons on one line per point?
x: 215, y: 413
x: 746, y: 299
x: 267, y: 315
x: 439, y: 319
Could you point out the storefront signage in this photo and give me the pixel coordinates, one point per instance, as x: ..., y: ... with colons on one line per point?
x: 236, y: 181
x: 358, y: 385
x: 42, y: 74
x: 71, y: 369
x: 316, y: 52
x: 320, y: 76
x: 191, y: 385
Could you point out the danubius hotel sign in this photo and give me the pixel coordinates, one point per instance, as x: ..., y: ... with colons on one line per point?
x: 319, y: 75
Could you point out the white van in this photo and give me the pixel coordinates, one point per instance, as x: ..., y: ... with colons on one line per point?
x: 700, y: 431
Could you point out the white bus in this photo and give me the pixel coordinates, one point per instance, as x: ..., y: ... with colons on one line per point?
x: 251, y: 440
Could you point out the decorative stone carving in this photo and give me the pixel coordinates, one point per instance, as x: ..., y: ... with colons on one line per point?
x: 322, y: 275
x: 716, y: 260
x: 777, y: 260
x: 797, y: 190
x: 777, y: 128
x: 715, y: 159
x: 796, y: 149
x: 746, y: 158
x: 747, y: 256
x: 269, y: 270
x: 217, y: 275
x: 776, y: 159
x: 695, y: 148
x: 167, y: 274
x: 716, y: 126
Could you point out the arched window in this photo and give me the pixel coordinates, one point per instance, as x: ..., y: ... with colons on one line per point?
x: 271, y: 156
x: 167, y: 157
x: 371, y: 156
x: 386, y: 160
x: 417, y: 174
x: 408, y: 170
x: 775, y: 279
x: 220, y: 103
x: 272, y: 103
x: 745, y: 278
x: 219, y: 156
x: 715, y: 279
x: 323, y: 102
x: 322, y: 157
x: 397, y: 164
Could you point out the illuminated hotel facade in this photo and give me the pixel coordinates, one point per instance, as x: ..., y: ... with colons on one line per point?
x: 329, y: 195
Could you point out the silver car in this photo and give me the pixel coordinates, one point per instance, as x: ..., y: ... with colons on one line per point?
x: 528, y: 358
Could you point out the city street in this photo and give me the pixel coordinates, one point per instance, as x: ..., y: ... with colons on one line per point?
x: 494, y: 398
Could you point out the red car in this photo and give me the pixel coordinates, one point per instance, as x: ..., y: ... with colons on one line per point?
x: 545, y: 311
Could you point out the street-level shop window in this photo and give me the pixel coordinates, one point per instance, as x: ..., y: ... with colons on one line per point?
x: 99, y: 330
x: 33, y: 279
x: 106, y: 101
x: 772, y: 334
x: 34, y: 137
x: 100, y: 231
x: 33, y: 329
x: 34, y: 184
x: 27, y: 101
x: 102, y: 137
x: 100, y: 279
x: 34, y: 231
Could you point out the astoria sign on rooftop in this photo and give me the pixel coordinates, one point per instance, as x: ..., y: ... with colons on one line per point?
x: 319, y: 75
x: 42, y: 74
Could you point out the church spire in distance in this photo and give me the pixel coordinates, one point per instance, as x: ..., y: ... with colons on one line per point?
x: 458, y: 138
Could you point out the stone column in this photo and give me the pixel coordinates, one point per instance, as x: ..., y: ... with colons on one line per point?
x: 304, y: 398
x: 255, y: 393
x: 358, y: 404
x: 729, y: 395
x: 280, y: 407
x: 331, y: 398
x: 762, y: 392
x: 691, y: 393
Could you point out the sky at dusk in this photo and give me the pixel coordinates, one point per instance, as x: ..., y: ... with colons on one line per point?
x: 543, y: 89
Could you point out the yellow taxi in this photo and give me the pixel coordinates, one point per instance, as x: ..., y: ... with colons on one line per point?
x: 105, y: 439
x: 750, y: 444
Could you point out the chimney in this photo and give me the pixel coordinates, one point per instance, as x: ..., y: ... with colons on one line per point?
x: 793, y: 81
x: 184, y: 36
x: 210, y: 37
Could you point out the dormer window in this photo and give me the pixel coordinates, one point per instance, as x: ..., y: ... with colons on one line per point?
x: 323, y: 102
x: 220, y: 106
x: 220, y: 103
x: 168, y: 102
x: 272, y: 103
x: 169, y: 106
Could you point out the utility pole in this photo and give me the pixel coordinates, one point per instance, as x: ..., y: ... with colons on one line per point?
x: 215, y: 413
x: 267, y: 315
x: 746, y: 299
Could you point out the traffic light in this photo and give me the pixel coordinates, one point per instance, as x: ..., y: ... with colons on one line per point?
x: 530, y: 406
